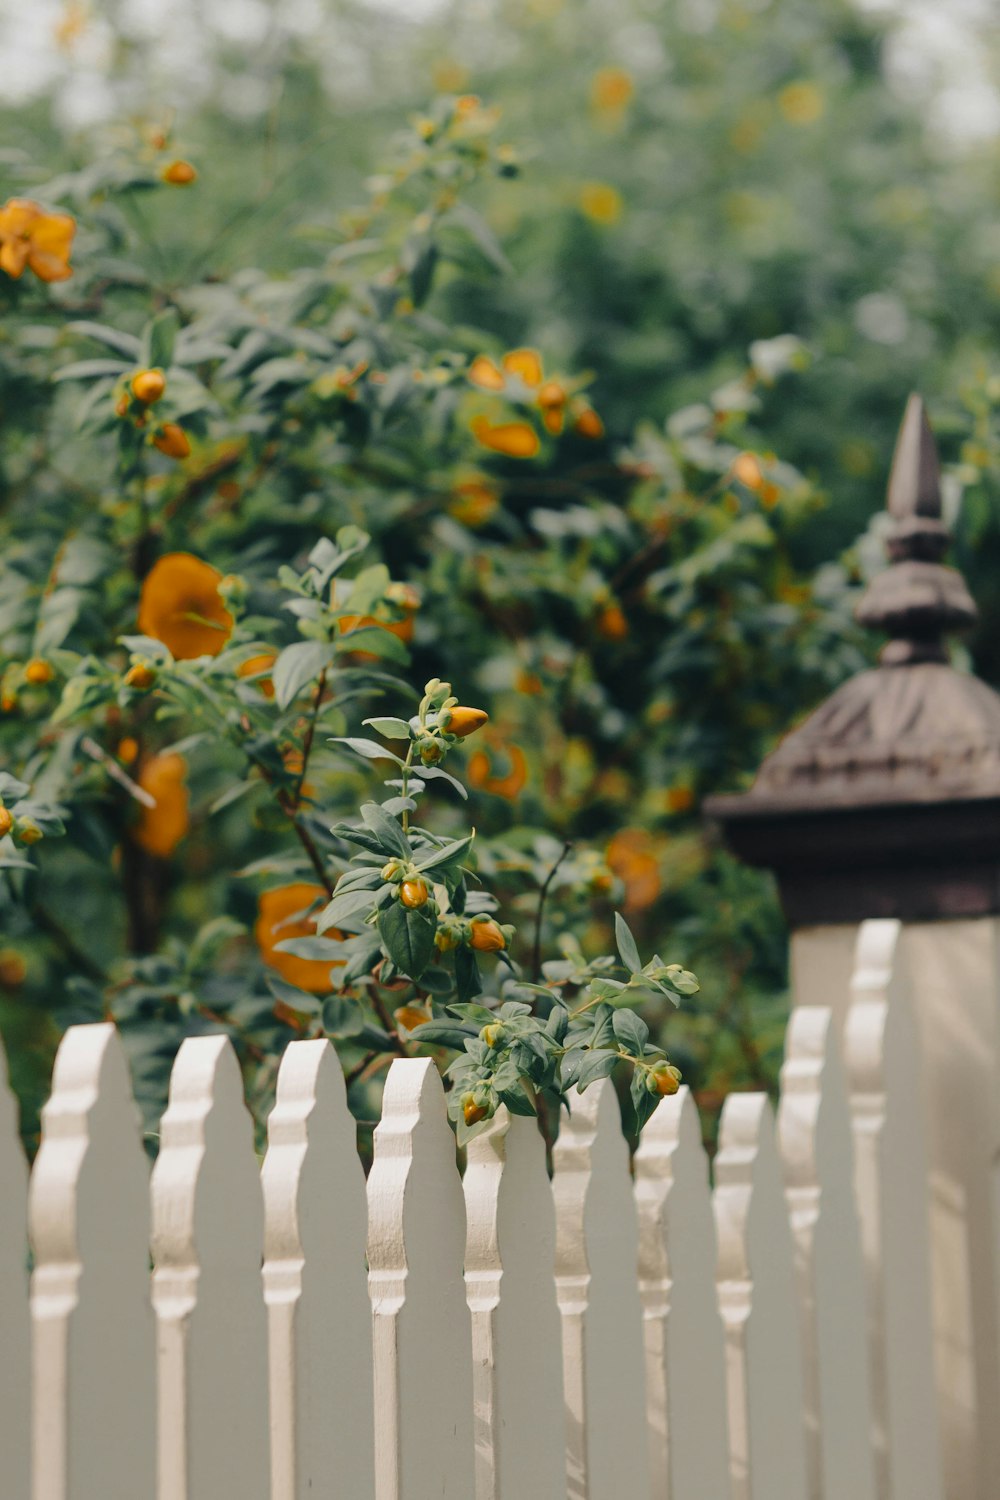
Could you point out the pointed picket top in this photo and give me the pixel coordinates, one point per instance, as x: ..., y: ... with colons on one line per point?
x: 596, y: 1284
x: 883, y: 1071
x: 685, y: 1355
x: 422, y: 1332
x: 15, y: 1338
x: 316, y: 1285
x: 207, y: 1243
x: 93, y: 1334
x: 509, y: 1269
x: 758, y: 1303
x: 915, y: 477
x: 814, y: 1137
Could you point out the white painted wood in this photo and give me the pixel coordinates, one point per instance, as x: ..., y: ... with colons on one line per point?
x: 757, y: 1299
x: 15, y: 1337
x: 685, y: 1355
x: 421, y: 1326
x: 814, y: 1138
x: 883, y: 1070
x: 509, y: 1269
x: 208, y: 1228
x: 316, y: 1286
x: 597, y: 1288
x: 93, y: 1334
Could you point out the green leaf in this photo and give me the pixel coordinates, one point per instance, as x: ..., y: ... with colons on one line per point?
x: 626, y: 945
x: 298, y: 665
x: 292, y: 996
x: 393, y: 729
x: 408, y: 937
x: 370, y: 749
x: 630, y: 1030
x: 342, y: 1016
x: 443, y: 1034
x: 90, y: 369
x: 158, y: 339
x: 388, y: 832
x: 593, y: 1066
x: 450, y: 854
x: 343, y: 907
x: 375, y: 639
x: 113, y: 338
x: 467, y: 974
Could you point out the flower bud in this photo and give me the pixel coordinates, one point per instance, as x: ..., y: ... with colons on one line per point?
x: 493, y: 1035
x: 472, y: 1111
x: 38, y: 671
x: 26, y: 831
x: 233, y: 591
x: 392, y: 869
x: 414, y: 893
x: 486, y: 936
x: 172, y: 440
x: 13, y: 969
x: 464, y: 721
x: 664, y: 1079
x: 148, y: 386
x: 179, y: 173
x: 6, y: 821
x: 430, y: 751
x: 141, y: 676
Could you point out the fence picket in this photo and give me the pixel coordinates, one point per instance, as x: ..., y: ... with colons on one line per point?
x: 685, y: 1357
x: 315, y: 1285
x: 509, y: 1266
x: 883, y: 1069
x: 207, y: 1242
x: 422, y: 1334
x: 814, y: 1136
x: 15, y: 1334
x: 597, y: 1288
x: 92, y: 1326
x: 758, y: 1304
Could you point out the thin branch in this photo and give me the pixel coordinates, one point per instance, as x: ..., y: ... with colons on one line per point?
x: 536, y: 951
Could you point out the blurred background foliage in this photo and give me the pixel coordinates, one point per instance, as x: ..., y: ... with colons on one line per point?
x: 730, y: 244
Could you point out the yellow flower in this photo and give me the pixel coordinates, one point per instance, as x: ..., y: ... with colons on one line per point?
x: 31, y: 237
x: 180, y: 606
x: 514, y: 439
x: 802, y: 103
x: 524, y: 364
x: 484, y: 373
x: 601, y: 202
x: 280, y: 916
x: 611, y: 92
x: 474, y: 502
x: 161, y: 828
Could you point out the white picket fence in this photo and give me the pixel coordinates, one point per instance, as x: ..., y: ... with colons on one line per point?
x: 611, y: 1334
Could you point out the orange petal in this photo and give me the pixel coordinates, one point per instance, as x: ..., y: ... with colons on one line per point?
x: 484, y: 373
x: 515, y: 439
x: 526, y: 364
x: 14, y: 257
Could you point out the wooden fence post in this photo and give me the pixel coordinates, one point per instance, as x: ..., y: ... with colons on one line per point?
x: 814, y: 1137
x: 509, y: 1276
x: 208, y: 1228
x: 597, y: 1287
x: 422, y: 1335
x: 883, y: 1069
x: 15, y: 1334
x: 316, y: 1286
x: 758, y: 1303
x: 685, y: 1355
x: 93, y: 1335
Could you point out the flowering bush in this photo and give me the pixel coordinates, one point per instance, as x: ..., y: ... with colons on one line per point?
x: 243, y: 514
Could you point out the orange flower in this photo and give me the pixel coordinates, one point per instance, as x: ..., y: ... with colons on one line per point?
x: 611, y: 91
x: 630, y: 855
x: 486, y: 937
x: 172, y: 440
x: 38, y: 671
x: 480, y: 769
x: 280, y: 916
x: 179, y: 173
x: 127, y: 750
x: 180, y: 606
x: 474, y: 502
x: 515, y: 439
x: 588, y: 424
x: 31, y: 237
x: 524, y: 364
x: 148, y: 386
x: 256, y: 664
x: 612, y: 623
x: 161, y: 828
x: 747, y: 469
x: 484, y: 373
x: 465, y: 721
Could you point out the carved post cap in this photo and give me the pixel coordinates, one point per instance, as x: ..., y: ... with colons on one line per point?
x: 886, y: 800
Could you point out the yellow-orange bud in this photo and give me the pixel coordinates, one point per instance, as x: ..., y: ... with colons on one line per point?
x: 6, y: 822
x: 179, y: 173
x: 463, y: 721
x: 141, y: 677
x: 486, y: 937
x: 667, y: 1078
x: 414, y: 893
x: 589, y: 425
x: 38, y: 671
x: 148, y: 385
x: 13, y: 969
x: 472, y: 1112
x: 172, y: 440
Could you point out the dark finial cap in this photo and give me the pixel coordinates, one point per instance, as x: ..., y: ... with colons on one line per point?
x: 917, y: 601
